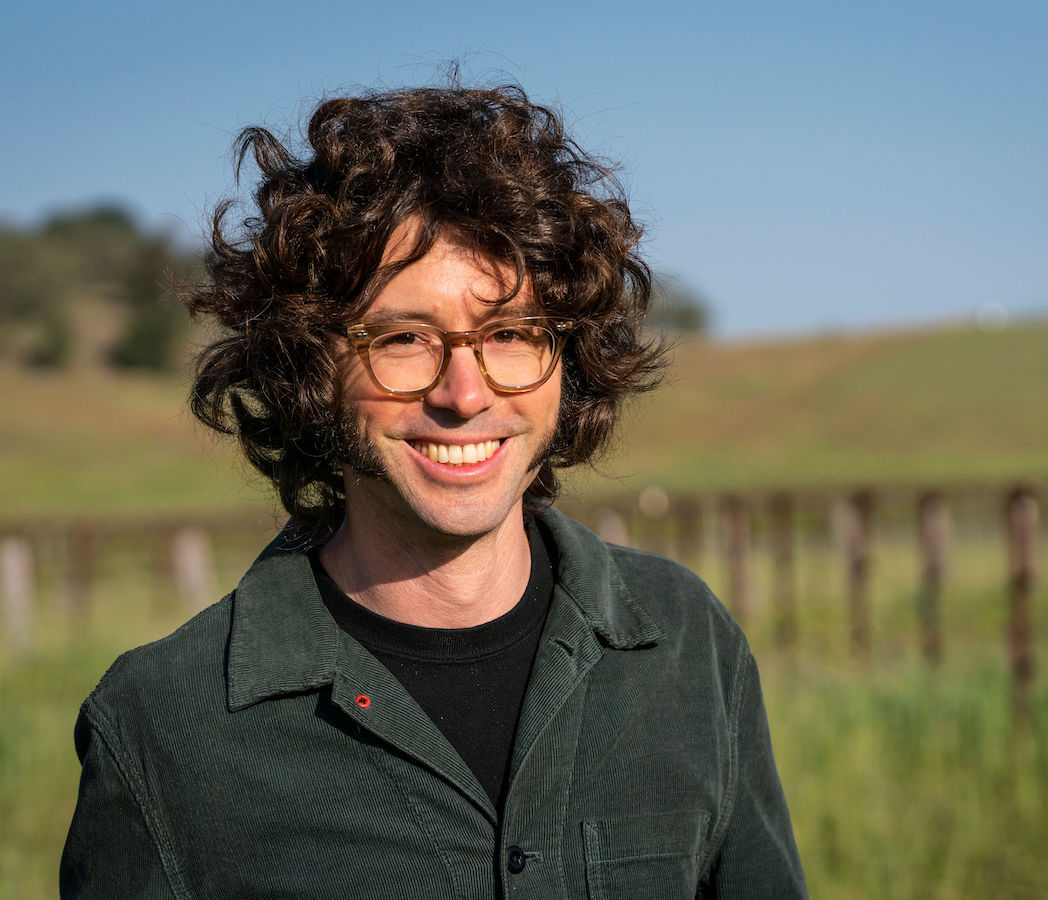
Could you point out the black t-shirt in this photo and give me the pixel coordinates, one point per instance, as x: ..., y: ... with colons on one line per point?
x: 469, y: 681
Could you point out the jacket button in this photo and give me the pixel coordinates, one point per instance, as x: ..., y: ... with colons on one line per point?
x: 515, y: 860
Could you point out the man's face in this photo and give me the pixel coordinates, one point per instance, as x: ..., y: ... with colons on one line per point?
x: 390, y: 478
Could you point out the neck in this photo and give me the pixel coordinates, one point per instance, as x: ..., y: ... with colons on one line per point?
x: 433, y: 580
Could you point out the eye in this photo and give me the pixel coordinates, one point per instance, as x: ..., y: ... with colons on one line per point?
x: 404, y: 338
x: 403, y: 342
x: 509, y: 335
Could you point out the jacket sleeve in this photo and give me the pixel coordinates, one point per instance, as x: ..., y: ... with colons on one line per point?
x: 111, y: 851
x: 758, y: 856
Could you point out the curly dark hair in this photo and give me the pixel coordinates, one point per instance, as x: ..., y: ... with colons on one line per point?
x: 484, y: 167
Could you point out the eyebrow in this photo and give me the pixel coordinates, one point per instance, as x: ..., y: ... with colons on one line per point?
x: 507, y: 311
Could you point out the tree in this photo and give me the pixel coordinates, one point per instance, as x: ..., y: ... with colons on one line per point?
x: 98, y: 254
x: 155, y: 321
x: 677, y: 306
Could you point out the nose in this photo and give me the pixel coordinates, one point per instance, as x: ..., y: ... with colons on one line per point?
x: 463, y: 388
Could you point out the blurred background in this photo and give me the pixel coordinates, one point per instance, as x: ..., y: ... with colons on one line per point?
x: 847, y: 209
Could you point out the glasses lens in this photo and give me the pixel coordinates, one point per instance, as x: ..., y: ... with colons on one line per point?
x: 406, y: 360
x: 517, y: 354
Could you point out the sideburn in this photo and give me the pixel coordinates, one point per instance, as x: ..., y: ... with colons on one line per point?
x: 352, y: 449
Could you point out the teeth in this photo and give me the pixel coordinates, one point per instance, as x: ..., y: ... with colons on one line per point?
x: 458, y: 454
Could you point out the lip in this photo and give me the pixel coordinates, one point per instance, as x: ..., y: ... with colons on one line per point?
x: 463, y: 471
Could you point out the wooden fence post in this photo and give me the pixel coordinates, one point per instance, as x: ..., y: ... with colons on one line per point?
x: 161, y: 560
x: 933, y: 523
x: 654, y: 506
x: 781, y: 526
x: 194, y: 568
x: 16, y: 592
x: 735, y: 544
x: 857, y: 552
x: 1022, y: 513
x: 81, y: 544
x: 688, y: 514
x: 611, y: 526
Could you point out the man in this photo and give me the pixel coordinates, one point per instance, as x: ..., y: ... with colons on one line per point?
x: 431, y: 684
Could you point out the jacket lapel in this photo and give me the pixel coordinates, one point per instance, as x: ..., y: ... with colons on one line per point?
x: 283, y: 640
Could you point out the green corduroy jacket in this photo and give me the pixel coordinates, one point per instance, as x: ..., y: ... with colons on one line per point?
x: 261, y: 752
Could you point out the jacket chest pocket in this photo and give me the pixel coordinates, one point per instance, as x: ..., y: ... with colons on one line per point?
x: 644, y: 856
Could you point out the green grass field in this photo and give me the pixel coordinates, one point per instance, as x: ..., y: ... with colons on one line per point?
x: 904, y: 782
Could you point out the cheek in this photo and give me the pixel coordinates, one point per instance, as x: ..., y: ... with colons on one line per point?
x: 367, y: 415
x: 360, y: 398
x: 356, y: 382
x: 544, y: 404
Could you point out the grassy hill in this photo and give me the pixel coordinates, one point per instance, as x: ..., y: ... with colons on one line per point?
x: 948, y: 405
x: 92, y: 441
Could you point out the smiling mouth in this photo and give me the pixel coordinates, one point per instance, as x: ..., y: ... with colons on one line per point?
x: 457, y: 454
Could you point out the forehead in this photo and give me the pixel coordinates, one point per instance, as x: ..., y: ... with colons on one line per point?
x: 450, y: 279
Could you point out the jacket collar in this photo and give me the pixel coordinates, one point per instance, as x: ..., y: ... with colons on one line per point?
x: 284, y: 640
x: 282, y: 637
x: 589, y: 573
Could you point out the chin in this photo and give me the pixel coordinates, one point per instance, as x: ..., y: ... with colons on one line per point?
x: 466, y: 520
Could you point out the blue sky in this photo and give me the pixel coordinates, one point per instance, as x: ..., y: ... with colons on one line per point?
x: 807, y: 166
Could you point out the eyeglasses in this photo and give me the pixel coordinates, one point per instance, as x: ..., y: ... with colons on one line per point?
x: 408, y: 359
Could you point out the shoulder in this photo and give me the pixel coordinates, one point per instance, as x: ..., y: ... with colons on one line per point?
x: 655, y: 576
x: 152, y: 687
x: 674, y: 597
x: 190, y: 651
x: 695, y: 622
